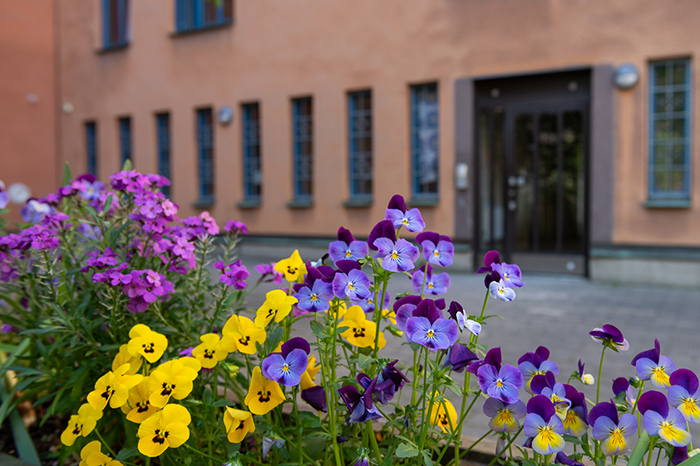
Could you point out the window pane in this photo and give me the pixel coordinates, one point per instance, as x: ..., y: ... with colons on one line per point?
x: 252, y: 175
x: 205, y: 139
x: 424, y: 136
x: 679, y: 101
x: 360, y: 124
x: 660, y: 102
x: 660, y: 75
x: 662, y: 129
x: 679, y: 127
x: 678, y: 180
x: 679, y: 73
x: 303, y: 148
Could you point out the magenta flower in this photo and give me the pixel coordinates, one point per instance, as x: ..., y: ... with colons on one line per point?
x: 287, y: 368
x: 610, y: 336
x: 434, y: 284
x: 398, y: 256
x: 437, y: 249
x: 235, y: 227
x: 269, y: 273
x: 347, y: 247
x: 651, y: 365
x: 233, y: 275
x: 398, y: 213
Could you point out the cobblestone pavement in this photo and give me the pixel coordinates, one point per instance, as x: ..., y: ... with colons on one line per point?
x: 558, y: 312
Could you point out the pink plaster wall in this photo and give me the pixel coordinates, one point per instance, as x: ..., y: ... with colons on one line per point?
x: 277, y: 50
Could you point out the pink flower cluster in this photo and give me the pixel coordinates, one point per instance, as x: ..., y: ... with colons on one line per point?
x: 233, y: 274
x: 142, y: 287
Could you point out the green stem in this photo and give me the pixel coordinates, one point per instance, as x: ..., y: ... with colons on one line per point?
x: 105, y: 443
x: 506, y: 447
x: 600, y: 374
x: 651, y: 450
x: 209, y: 456
x: 378, y: 309
x: 298, y: 421
x: 373, y: 441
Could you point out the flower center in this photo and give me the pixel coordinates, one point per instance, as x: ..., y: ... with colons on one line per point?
x: 546, y: 434
x: 690, y: 406
x: 668, y: 430
x: 351, y: 286
x: 285, y: 367
x: 661, y: 376
x: 78, y: 429
x: 314, y: 297
x: 291, y: 270
x: 430, y: 334
x: 148, y: 347
x: 244, y: 340
x: 499, y: 382
x: 107, y: 394
x: 348, y: 253
x: 505, y: 416
x: 264, y: 396
x: 430, y: 285
x: 617, y: 438
x: 209, y: 353
x: 142, y: 406
x: 160, y: 436
x: 436, y: 253
x: 394, y: 255
x: 405, y: 221
x: 167, y: 389
x: 359, y: 332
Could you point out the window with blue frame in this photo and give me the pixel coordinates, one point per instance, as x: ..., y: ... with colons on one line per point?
x: 424, y: 140
x: 125, y: 140
x: 360, y: 144
x: 252, y: 174
x: 192, y: 15
x: 669, y: 130
x: 303, y: 132
x: 115, y: 20
x: 163, y: 147
x: 91, y: 146
x: 205, y: 147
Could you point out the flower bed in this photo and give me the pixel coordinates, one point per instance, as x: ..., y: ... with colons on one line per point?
x: 137, y: 323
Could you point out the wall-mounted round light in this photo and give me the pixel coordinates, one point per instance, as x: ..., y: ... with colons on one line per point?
x: 225, y: 115
x: 626, y: 76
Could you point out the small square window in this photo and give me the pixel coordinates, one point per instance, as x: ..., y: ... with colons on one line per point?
x: 115, y: 18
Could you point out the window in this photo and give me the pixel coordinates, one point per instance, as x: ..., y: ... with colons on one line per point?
x: 205, y: 144
x: 163, y: 146
x: 303, y: 148
x: 125, y: 139
x: 252, y: 176
x: 669, y: 141
x: 360, y: 144
x: 424, y: 140
x: 115, y: 14
x: 192, y: 15
x: 91, y: 146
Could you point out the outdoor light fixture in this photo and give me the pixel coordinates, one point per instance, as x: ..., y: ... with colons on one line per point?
x: 626, y: 76
x: 225, y: 115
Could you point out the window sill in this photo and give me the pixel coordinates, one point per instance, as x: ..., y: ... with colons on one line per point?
x: 203, y: 203
x: 112, y: 48
x: 668, y: 204
x: 424, y: 201
x: 358, y: 202
x: 300, y: 204
x: 212, y: 27
x: 249, y: 204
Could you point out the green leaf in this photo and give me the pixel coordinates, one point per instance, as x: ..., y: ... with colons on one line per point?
x: 108, y: 203
x: 223, y: 403
x: 317, y: 329
x: 127, y: 166
x: 692, y: 461
x: 640, y: 450
x: 67, y: 175
x: 127, y: 453
x: 572, y: 439
x: 406, y: 450
x: 364, y: 361
x: 427, y: 460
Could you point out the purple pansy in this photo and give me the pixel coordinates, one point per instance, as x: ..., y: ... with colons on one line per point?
x: 684, y: 394
x: 396, y: 256
x: 669, y: 424
x: 428, y: 283
x: 651, y: 365
x: 543, y: 426
x: 315, y: 299
x: 347, y: 247
x: 510, y: 274
x: 383, y: 229
x: 610, y: 336
x: 504, y: 416
x: 437, y: 249
x: 287, y: 368
x: 360, y: 406
x: 391, y: 380
x: 621, y: 384
x: 459, y: 357
x: 491, y: 257
x: 462, y: 318
x: 315, y: 397
x: 400, y: 216
x: 563, y: 458
x: 492, y: 358
x: 532, y: 364
x: 268, y: 273
x: 353, y: 285
x: 609, y: 429
x: 576, y: 422
x: 499, y: 290
x: 427, y: 327
x: 4, y: 198
x: 503, y: 384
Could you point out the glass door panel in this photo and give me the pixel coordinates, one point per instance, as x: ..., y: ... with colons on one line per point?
x: 573, y: 188
x: 521, y: 184
x: 547, y: 177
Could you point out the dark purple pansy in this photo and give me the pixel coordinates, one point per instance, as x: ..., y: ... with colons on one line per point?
x: 459, y: 357
x: 652, y: 365
x: 316, y: 398
x: 606, y: 409
x: 562, y: 458
x: 679, y: 455
x: 492, y: 358
x: 653, y: 401
x: 659, y: 419
x: 383, y: 229
x: 684, y: 394
x: 360, y: 406
x: 542, y: 406
x: 541, y: 381
x: 491, y: 257
x: 347, y: 247
x: 391, y: 380
x: 611, y: 336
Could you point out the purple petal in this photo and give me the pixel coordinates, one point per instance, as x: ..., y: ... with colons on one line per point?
x: 345, y: 236
x: 620, y: 384
x: 542, y: 406
x: 614, y: 333
x: 652, y: 354
x: 653, y: 401
x: 686, y: 379
x: 602, y: 428
x: 316, y: 398
x: 628, y: 423
x: 397, y: 202
x: 493, y: 357
x: 426, y: 308
x: 295, y: 343
x: 512, y: 375
x: 652, y: 422
x: 417, y: 327
x: 350, y: 396
x: 676, y: 395
x: 603, y: 409
x: 272, y: 367
x: 518, y: 409
x: 490, y: 258
x: 533, y: 423
x: 403, y: 314
x: 506, y: 392
x: 487, y: 376
x: 358, y: 249
x: 680, y: 454
x: 645, y: 368
x: 493, y: 406
x: 446, y: 333
x: 337, y: 250
x: 383, y: 229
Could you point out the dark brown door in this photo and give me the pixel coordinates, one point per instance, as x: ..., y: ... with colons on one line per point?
x: 532, y: 165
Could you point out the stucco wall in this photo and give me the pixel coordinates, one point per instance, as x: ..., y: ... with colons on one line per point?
x: 278, y: 50
x: 27, y: 129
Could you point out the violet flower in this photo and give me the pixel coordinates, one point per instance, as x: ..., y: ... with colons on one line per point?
x: 287, y: 368
x: 397, y: 212
x: 437, y: 249
x: 4, y: 198
x: 353, y: 285
x: 499, y: 290
x: 396, y: 256
x: 609, y: 430
x: 397, y: 379
x: 428, y: 328
x: 360, y: 406
x: 510, y: 274
x: 684, y: 394
x: 491, y: 258
x: 383, y: 229
x: 315, y: 299
x: 504, y: 416
x: 347, y: 247
x: 610, y: 336
x: 651, y: 365
x: 575, y: 422
x: 315, y: 397
x: 268, y: 273
x: 462, y: 318
x: 543, y: 426
x: 532, y: 364
x: 235, y: 227
x: 492, y: 358
x: 562, y: 458
x: 621, y: 384
x: 459, y: 357
x: 233, y: 274
x: 669, y: 424
x: 503, y: 384
x: 430, y: 284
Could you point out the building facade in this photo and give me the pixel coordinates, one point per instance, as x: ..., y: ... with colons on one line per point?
x: 512, y: 125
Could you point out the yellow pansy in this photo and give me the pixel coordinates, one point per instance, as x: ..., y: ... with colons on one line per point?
x: 91, y: 455
x: 263, y: 394
x: 113, y: 388
x: 306, y: 381
x: 164, y: 429
x: 311, y: 368
x: 241, y: 334
x: 139, y: 407
x: 80, y: 424
x: 124, y: 357
x: 361, y: 332
x: 149, y: 344
x: 342, y: 309
x: 173, y: 378
x: 210, y: 352
x: 293, y: 267
x: 444, y: 415
x: 238, y: 423
x: 277, y: 306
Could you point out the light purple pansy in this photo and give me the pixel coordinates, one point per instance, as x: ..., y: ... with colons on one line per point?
x: 510, y: 274
x: 286, y: 368
x: 504, y: 416
x: 532, y: 364
x: 611, y: 336
x: 430, y: 284
x: 503, y: 384
x: 609, y: 429
x: 542, y: 426
x: 669, y: 424
x: 437, y: 249
x: 398, y: 256
x: 462, y: 318
x: 400, y: 216
x: 427, y: 327
x: 684, y: 394
x: 353, y: 285
x: 499, y: 290
x: 652, y: 365
x: 347, y: 247
x: 317, y: 298
x: 360, y: 406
